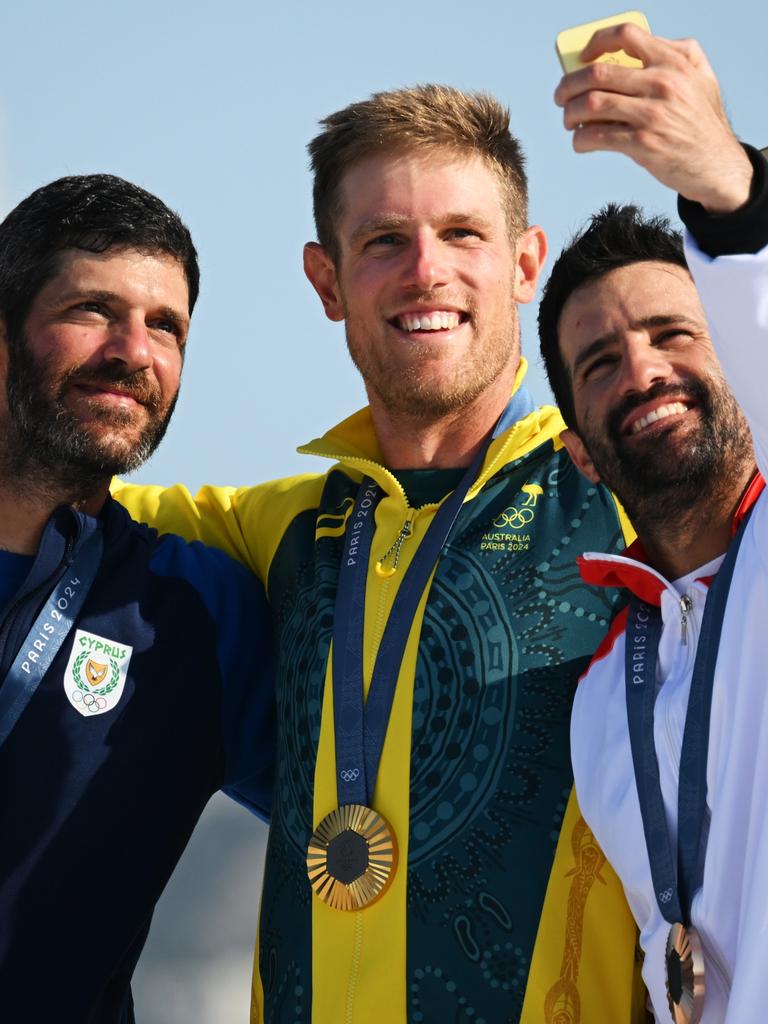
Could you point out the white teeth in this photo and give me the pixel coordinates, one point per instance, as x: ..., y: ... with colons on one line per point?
x: 673, y: 409
x: 442, y: 320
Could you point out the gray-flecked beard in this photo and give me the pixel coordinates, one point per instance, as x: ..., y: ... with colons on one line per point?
x: 665, y: 486
x: 48, y: 449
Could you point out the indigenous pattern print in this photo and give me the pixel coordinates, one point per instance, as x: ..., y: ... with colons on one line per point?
x: 490, y: 769
x: 498, y: 665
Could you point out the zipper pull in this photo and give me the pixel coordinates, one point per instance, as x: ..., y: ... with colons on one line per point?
x: 382, y: 569
x: 685, y: 606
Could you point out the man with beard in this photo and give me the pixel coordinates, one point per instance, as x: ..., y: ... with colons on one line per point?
x: 425, y: 860
x: 670, y: 724
x: 128, y: 696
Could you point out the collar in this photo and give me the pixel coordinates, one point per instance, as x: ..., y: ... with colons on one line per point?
x: 63, y: 536
x: 632, y: 570
x: 353, y: 444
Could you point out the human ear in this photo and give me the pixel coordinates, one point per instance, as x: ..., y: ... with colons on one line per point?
x: 579, y: 455
x: 531, y: 254
x: 321, y: 271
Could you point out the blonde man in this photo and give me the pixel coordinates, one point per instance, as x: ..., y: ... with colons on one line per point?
x: 426, y: 862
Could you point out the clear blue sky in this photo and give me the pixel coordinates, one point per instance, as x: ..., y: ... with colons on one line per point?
x: 211, y: 106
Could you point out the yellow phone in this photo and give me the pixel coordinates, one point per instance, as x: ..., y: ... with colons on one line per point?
x: 571, y: 41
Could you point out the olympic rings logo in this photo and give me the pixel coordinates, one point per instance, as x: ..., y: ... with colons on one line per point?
x: 94, y: 704
x: 349, y: 774
x: 514, y: 517
x: 665, y: 896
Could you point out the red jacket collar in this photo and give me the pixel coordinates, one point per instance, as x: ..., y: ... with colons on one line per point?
x: 752, y: 493
x: 631, y: 569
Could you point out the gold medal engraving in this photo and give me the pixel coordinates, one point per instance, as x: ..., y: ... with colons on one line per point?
x: 685, y: 975
x: 351, y: 858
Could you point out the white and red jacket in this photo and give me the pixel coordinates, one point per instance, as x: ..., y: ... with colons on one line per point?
x: 731, y: 909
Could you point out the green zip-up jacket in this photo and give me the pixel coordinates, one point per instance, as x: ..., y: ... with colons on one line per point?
x: 502, y: 907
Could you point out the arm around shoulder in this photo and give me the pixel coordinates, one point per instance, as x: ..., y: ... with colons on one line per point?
x: 243, y: 522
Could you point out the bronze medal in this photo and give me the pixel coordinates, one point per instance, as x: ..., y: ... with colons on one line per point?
x: 351, y: 858
x: 685, y: 975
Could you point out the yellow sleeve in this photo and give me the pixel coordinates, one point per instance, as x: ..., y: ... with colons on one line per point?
x: 585, y: 967
x: 247, y: 523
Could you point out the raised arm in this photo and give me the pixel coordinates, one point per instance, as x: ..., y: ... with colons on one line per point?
x: 667, y: 116
x: 728, y: 258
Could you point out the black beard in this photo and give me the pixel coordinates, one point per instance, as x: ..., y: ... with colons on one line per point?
x: 663, y: 485
x: 49, y: 447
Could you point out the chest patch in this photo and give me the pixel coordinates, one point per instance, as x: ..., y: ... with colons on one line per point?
x: 96, y: 671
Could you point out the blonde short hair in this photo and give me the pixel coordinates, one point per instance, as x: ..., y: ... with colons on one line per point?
x: 423, y: 117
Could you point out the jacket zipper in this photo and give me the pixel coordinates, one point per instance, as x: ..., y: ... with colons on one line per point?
x: 685, y: 606
x: 32, y: 598
x: 387, y: 564
x: 674, y: 743
x: 385, y: 573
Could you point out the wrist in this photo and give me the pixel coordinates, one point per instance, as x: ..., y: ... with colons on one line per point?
x: 733, y: 189
x: 744, y: 229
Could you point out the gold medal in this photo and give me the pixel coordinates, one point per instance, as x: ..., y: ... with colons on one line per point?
x: 351, y: 858
x: 685, y: 975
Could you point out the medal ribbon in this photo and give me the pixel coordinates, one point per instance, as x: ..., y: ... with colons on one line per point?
x: 361, y: 726
x: 49, y: 631
x: 675, y: 880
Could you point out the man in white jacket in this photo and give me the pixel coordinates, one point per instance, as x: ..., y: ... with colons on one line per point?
x: 670, y: 724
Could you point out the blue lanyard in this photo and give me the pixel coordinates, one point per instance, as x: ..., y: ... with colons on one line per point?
x: 675, y: 879
x: 49, y: 631
x: 361, y: 726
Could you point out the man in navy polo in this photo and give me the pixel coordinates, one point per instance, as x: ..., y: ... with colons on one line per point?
x: 127, y: 696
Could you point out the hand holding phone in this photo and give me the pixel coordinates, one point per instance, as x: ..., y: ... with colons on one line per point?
x: 660, y: 105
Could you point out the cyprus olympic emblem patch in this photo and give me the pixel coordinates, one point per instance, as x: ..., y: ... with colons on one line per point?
x: 96, y: 672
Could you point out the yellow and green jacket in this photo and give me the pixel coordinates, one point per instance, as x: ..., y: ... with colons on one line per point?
x: 502, y: 907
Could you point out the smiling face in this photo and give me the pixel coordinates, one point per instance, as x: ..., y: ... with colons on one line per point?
x: 427, y: 281
x: 654, y: 413
x: 92, y: 381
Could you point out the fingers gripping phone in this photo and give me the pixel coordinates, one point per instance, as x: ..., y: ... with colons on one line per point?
x: 571, y: 41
